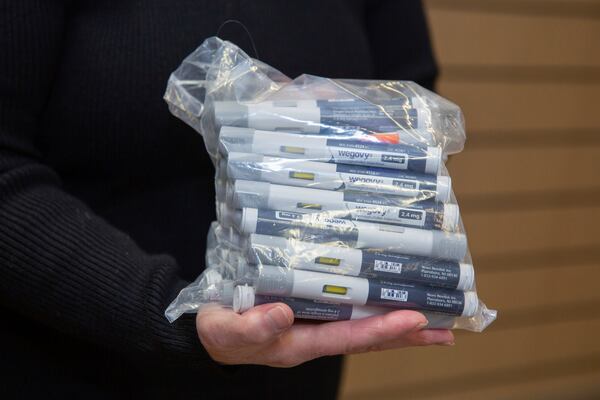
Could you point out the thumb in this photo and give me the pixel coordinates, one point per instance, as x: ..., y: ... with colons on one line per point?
x: 264, y: 323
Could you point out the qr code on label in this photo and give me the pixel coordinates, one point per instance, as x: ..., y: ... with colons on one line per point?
x: 388, y: 266
x: 394, y: 294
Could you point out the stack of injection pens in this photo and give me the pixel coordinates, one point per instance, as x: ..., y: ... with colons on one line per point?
x: 332, y: 195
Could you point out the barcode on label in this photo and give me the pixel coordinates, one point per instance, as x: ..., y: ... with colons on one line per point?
x: 394, y: 294
x: 388, y: 266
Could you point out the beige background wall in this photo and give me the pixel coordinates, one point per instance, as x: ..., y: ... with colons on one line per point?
x: 527, y: 74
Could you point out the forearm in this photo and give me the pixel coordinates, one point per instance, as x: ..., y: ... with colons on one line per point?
x: 67, y: 267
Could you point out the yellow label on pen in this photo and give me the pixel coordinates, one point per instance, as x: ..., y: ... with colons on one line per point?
x: 309, y: 206
x: 328, y: 261
x: 332, y: 289
x: 307, y: 176
x: 291, y: 149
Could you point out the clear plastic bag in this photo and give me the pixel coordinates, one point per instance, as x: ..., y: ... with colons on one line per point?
x: 332, y: 194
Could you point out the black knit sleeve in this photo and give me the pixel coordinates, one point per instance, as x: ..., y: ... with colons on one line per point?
x: 59, y: 263
x: 399, y: 40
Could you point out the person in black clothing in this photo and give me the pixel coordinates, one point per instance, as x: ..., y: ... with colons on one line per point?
x: 106, y: 199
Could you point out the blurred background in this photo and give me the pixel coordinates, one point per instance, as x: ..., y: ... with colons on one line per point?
x: 527, y: 75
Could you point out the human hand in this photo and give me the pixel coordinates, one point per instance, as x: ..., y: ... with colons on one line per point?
x: 266, y: 335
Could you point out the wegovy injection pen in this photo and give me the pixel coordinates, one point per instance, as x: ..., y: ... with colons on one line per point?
x: 286, y: 282
x: 318, y: 228
x: 361, y: 206
x: 331, y: 116
x: 244, y: 298
x: 290, y: 253
x: 317, y: 175
x: 413, y: 157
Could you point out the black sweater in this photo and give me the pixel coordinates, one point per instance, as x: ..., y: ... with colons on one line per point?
x: 105, y: 198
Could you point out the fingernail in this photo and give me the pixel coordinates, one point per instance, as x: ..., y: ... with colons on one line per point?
x: 450, y: 343
x: 421, y: 325
x: 278, y: 318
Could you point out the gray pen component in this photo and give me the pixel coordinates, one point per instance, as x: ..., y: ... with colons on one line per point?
x: 369, y: 263
x: 416, y: 158
x: 286, y: 282
x: 318, y: 175
x: 316, y: 228
x: 361, y: 206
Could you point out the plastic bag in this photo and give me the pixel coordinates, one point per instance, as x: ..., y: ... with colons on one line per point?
x: 332, y: 194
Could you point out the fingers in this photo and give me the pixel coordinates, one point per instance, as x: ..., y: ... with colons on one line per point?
x: 366, y: 334
x: 224, y: 329
x: 423, y: 337
x: 434, y: 336
x: 265, y: 335
x: 306, y: 342
x: 264, y: 323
